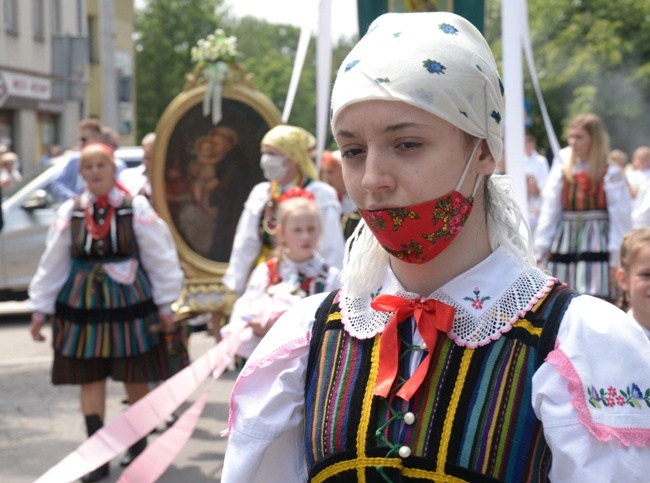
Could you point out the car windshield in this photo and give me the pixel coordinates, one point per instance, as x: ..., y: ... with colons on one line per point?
x: 7, y: 192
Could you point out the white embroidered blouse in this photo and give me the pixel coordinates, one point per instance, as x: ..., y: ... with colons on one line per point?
x: 619, y: 207
x: 247, y: 243
x: 265, y: 301
x: 156, y: 252
x: 592, y: 395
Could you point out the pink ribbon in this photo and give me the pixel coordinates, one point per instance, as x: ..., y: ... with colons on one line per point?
x: 144, y: 416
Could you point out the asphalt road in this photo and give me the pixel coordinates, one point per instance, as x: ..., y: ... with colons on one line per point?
x: 40, y: 423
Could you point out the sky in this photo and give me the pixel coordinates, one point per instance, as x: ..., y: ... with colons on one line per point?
x: 344, y: 13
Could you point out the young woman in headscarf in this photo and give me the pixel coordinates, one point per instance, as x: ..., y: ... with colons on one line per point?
x: 446, y: 355
x: 106, y: 279
x: 286, y: 162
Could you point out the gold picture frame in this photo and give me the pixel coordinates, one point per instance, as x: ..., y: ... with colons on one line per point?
x: 201, y: 175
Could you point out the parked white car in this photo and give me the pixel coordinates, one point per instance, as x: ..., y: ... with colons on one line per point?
x: 28, y: 209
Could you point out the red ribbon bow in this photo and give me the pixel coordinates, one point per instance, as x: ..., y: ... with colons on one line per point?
x: 430, y: 317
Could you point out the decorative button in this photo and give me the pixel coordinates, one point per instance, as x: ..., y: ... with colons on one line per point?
x: 101, y: 222
x: 405, y: 452
x: 423, y: 346
x: 100, y: 252
x: 101, y: 211
x: 409, y: 418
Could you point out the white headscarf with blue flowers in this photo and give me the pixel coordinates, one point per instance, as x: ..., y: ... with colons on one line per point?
x: 436, y: 61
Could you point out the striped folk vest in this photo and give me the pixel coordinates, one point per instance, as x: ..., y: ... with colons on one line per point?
x: 583, y: 196
x: 470, y: 420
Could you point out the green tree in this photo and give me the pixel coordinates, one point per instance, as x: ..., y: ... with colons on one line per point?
x: 590, y: 55
x: 166, y: 31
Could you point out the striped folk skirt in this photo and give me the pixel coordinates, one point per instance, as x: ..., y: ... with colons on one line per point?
x: 102, y: 328
x: 579, y: 252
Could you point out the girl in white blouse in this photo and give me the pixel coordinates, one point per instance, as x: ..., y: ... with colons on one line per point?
x: 296, y: 271
x: 446, y: 355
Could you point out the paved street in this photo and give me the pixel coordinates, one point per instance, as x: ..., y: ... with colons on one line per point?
x: 40, y: 424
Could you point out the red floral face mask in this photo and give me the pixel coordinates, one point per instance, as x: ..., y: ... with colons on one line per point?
x: 419, y: 233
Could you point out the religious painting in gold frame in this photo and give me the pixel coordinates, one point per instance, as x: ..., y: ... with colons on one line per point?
x: 201, y: 176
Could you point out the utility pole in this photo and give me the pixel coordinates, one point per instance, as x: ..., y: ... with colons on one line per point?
x: 107, y: 59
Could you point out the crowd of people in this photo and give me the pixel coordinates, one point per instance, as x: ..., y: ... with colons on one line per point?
x: 403, y: 318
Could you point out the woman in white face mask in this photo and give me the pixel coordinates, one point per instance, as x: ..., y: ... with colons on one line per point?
x: 286, y: 162
x: 446, y: 355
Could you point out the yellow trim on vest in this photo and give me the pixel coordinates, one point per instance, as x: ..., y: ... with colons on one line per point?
x: 362, y: 463
x: 333, y: 317
x: 528, y: 327
x: 364, y: 423
x: 451, y: 412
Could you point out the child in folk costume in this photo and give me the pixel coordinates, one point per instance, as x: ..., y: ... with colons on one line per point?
x: 286, y: 163
x: 107, y: 277
x: 634, y: 276
x: 446, y: 355
x: 586, y: 210
x: 294, y: 273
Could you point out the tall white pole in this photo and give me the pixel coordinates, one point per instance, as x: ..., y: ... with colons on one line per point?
x: 107, y: 62
x: 323, y: 74
x: 513, y: 79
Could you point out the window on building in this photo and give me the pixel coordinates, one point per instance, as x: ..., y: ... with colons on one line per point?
x: 11, y: 16
x: 55, y: 14
x: 38, y: 13
x: 7, y: 129
x: 48, y: 133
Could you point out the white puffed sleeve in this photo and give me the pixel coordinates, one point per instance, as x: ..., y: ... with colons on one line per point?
x: 267, y: 403
x: 592, y: 396
x: 641, y: 207
x: 331, y: 244
x: 619, y: 211
x: 247, y: 306
x: 551, y: 209
x: 157, y: 252
x: 247, y: 244
x: 55, y: 264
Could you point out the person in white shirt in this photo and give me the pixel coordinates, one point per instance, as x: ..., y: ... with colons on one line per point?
x: 286, y: 160
x: 106, y: 281
x: 633, y: 276
x: 9, y: 175
x: 586, y: 210
x: 136, y: 180
x: 639, y: 174
x: 332, y: 173
x: 446, y: 355
x: 536, y: 169
x: 295, y: 271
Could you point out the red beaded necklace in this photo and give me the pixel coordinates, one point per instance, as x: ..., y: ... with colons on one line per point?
x: 97, y: 231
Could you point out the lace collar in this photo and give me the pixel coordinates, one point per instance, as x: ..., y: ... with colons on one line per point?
x: 115, y: 197
x: 488, y: 299
x: 309, y: 268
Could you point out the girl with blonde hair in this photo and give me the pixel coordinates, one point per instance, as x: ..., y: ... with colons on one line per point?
x: 586, y: 210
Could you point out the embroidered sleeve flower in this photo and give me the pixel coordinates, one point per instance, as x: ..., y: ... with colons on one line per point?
x: 477, y: 300
x: 612, y: 397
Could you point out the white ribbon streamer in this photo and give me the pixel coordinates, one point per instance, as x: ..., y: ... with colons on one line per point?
x: 299, y: 61
x: 215, y: 73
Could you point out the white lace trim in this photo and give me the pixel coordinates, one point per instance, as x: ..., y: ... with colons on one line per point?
x: 362, y: 322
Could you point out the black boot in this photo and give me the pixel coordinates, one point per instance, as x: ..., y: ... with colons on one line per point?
x: 133, y: 452
x: 94, y: 424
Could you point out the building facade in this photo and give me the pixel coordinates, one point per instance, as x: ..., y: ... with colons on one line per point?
x: 51, y: 72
